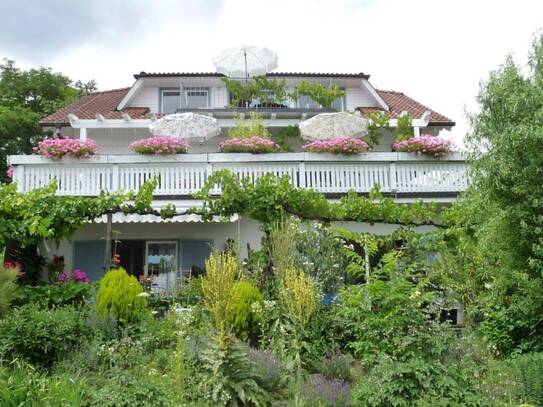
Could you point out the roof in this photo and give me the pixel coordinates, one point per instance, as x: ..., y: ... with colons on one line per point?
x: 106, y: 102
x: 398, y: 102
x: 360, y: 75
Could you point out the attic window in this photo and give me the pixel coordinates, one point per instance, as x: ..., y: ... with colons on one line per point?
x: 191, y: 98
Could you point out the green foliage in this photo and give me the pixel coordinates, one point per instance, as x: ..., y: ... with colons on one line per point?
x: 246, y: 314
x: 26, y: 97
x: 404, y: 128
x: 283, y: 136
x: 529, y: 372
x: 54, y: 295
x: 249, y: 128
x: 321, y: 94
x: 267, y: 91
x: 23, y: 385
x: 377, y: 122
x: 230, y: 377
x: 120, y: 296
x: 8, y: 285
x: 41, y: 336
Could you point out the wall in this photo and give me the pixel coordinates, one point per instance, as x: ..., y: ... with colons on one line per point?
x: 146, y: 97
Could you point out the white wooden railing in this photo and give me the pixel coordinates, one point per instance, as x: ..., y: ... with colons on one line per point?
x: 400, y: 173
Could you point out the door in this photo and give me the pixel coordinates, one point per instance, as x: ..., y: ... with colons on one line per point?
x: 161, y: 264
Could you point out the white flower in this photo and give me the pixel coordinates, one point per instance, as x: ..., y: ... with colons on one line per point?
x: 143, y: 294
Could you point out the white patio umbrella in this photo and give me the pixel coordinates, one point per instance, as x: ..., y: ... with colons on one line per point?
x: 188, y: 126
x: 245, y: 61
x: 325, y: 126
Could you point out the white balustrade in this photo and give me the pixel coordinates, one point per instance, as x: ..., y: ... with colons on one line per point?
x: 400, y: 173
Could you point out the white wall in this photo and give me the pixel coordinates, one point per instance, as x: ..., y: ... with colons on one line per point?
x: 146, y: 97
x: 357, y: 97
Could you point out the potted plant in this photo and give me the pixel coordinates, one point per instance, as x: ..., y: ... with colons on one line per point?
x: 338, y: 145
x: 57, y: 148
x: 425, y: 144
x: 160, y: 145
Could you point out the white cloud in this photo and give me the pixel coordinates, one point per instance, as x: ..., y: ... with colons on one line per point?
x: 435, y: 51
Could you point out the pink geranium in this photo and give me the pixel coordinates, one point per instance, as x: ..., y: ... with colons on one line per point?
x: 160, y: 145
x: 339, y: 145
x: 9, y: 172
x: 255, y: 145
x: 77, y: 275
x: 425, y: 144
x: 56, y: 148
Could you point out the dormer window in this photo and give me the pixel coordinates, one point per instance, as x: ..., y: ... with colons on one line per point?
x: 189, y: 98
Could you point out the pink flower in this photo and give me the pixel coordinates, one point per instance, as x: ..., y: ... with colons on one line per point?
x: 425, y: 144
x: 255, y: 145
x: 9, y: 172
x: 56, y: 148
x: 338, y: 145
x: 63, y: 277
x: 160, y: 145
x: 80, y: 276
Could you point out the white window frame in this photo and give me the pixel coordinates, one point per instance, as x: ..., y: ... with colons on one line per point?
x: 148, y: 242
x: 196, y: 89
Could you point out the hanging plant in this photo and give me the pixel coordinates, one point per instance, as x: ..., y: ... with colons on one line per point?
x: 160, y: 145
x: 57, y: 148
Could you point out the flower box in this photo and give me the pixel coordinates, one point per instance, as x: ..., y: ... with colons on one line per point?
x: 254, y: 145
x: 160, y: 145
x: 57, y: 148
x: 425, y: 144
x: 339, y: 145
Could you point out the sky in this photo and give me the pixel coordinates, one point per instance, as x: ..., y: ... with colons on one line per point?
x: 436, y: 51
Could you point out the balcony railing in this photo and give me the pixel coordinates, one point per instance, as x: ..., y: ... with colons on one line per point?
x: 182, y: 175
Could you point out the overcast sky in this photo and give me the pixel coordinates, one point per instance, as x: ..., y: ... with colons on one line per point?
x: 436, y: 51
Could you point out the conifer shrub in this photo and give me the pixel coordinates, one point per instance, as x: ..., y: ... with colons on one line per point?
x: 246, y: 314
x: 120, y: 296
x: 8, y: 276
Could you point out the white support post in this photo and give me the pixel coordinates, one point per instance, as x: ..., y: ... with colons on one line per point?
x: 82, y: 134
x: 301, y: 174
x: 115, y: 177
x: 416, y: 131
x: 393, y: 175
x: 19, y: 177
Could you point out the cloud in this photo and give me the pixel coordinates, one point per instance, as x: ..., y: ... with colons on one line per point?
x: 37, y: 29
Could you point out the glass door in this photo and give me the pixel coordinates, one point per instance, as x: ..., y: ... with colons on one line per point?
x: 161, y: 264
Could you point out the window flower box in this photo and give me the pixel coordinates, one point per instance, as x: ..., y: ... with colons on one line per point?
x: 339, y: 145
x: 254, y: 145
x: 160, y: 145
x: 56, y: 148
x: 425, y: 144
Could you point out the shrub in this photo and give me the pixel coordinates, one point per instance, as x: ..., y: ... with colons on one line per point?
x: 54, y: 295
x: 120, y: 296
x: 245, y: 316
x: 336, y: 366
x: 319, y: 391
x: 425, y: 144
x: 270, y: 371
x: 254, y: 127
x: 41, y: 336
x: 57, y: 148
x: 22, y: 385
x: 404, y: 128
x: 255, y: 145
x: 339, y: 145
x: 321, y: 94
x: 298, y: 296
x: 160, y: 145
x: 529, y: 372
x: 8, y: 276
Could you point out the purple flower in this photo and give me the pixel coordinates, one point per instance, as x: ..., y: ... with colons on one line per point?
x: 338, y: 145
x: 63, y: 277
x: 160, y: 145
x: 255, y: 145
x: 425, y: 144
x: 80, y: 276
x: 56, y: 148
x: 318, y: 390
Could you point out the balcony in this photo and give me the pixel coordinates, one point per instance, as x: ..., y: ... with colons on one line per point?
x: 398, y: 174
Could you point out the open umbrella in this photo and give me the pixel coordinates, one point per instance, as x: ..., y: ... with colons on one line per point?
x: 245, y: 61
x: 326, y: 126
x: 188, y: 126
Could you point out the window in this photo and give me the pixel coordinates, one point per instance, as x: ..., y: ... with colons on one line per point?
x: 194, y: 253
x: 193, y: 98
x: 170, y: 101
x: 305, y: 102
x: 161, y: 257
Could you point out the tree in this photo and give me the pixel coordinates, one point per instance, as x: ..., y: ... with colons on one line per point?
x: 503, y: 213
x: 25, y: 98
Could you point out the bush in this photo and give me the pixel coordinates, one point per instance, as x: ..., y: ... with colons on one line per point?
x: 529, y: 372
x: 8, y: 275
x: 41, y: 336
x: 336, y: 366
x: 254, y: 145
x: 55, y: 295
x: 319, y: 391
x: 270, y: 371
x: 244, y: 129
x: 120, y: 296
x: 56, y: 148
x: 160, y: 145
x: 245, y: 316
x: 22, y: 385
x: 339, y: 145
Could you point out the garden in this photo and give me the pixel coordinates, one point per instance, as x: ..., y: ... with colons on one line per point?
x: 320, y: 315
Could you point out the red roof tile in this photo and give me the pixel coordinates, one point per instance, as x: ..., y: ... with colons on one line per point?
x: 398, y: 103
x: 106, y: 102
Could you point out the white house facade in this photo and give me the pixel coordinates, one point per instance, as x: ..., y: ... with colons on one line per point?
x: 149, y: 245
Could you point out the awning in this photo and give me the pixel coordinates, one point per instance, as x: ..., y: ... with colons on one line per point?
x: 134, y: 218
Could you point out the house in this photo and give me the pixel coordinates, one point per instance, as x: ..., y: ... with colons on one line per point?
x: 149, y: 245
